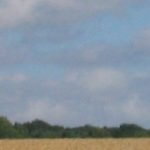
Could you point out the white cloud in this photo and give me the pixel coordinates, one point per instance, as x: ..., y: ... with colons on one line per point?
x: 98, y: 79
x: 15, y: 12
x: 132, y: 107
x: 142, y: 41
x: 93, y: 92
x: 15, y: 78
x: 45, y: 109
x: 82, y: 5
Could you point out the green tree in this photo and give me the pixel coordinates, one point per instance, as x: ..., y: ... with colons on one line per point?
x: 132, y: 130
x: 6, y: 129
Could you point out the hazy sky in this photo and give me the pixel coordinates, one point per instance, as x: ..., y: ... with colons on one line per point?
x: 75, y: 62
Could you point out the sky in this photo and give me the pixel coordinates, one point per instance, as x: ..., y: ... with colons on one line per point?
x: 75, y: 62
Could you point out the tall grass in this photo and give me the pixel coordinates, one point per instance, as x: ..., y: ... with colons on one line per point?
x: 76, y: 144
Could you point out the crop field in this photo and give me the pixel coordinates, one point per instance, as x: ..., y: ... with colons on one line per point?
x: 76, y: 144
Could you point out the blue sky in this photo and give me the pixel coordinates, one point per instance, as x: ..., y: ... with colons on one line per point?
x: 75, y: 62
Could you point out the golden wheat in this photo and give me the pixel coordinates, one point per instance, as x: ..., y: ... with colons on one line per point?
x: 76, y: 144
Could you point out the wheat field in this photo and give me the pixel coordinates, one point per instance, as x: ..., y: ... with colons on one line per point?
x: 76, y: 144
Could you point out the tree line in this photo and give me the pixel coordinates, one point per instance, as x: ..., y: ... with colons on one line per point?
x: 41, y: 129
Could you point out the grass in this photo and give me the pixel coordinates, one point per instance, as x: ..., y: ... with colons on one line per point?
x: 76, y: 144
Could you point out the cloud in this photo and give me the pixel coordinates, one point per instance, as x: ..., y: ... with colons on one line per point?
x: 96, y: 95
x: 14, y: 11
x: 98, y: 79
x: 11, y: 91
x: 141, y: 41
x: 15, y: 78
x: 13, y: 56
x: 92, y: 55
x: 98, y: 55
x: 17, y: 12
x: 44, y: 109
x: 133, y: 107
x: 43, y: 77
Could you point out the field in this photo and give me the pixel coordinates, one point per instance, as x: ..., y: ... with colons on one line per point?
x: 78, y: 144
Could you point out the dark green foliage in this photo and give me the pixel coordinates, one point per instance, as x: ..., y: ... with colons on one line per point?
x: 132, y: 130
x: 6, y: 129
x: 86, y: 131
x: 22, y: 130
x: 41, y: 129
x: 36, y: 128
x: 129, y: 130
